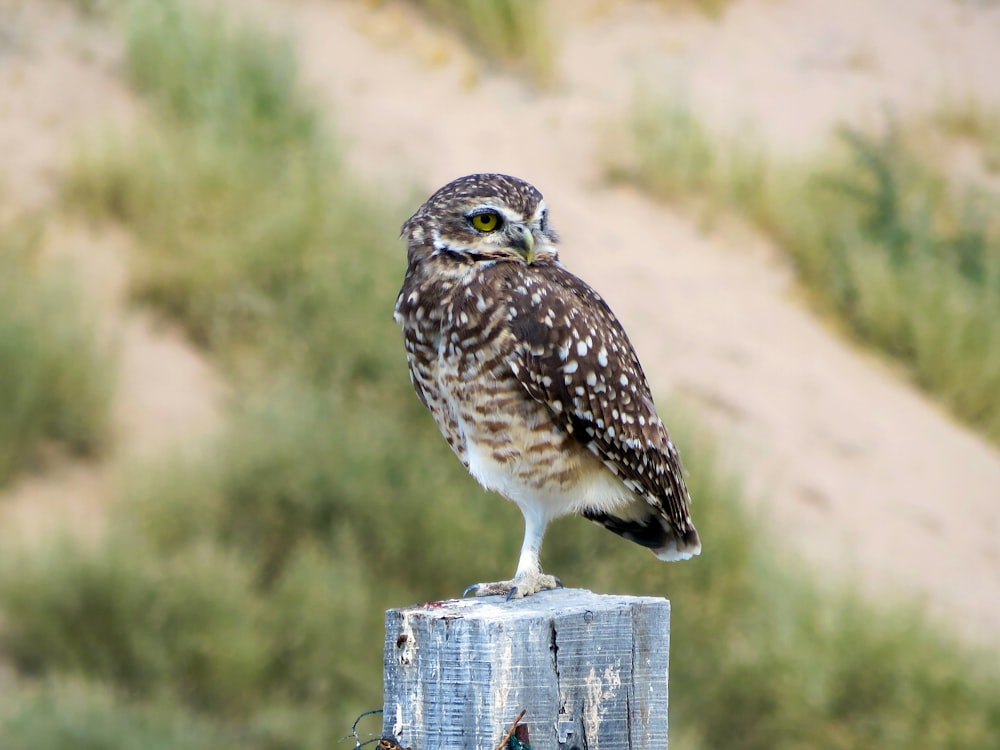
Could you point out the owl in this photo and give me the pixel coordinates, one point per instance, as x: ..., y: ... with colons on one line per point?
x: 531, y: 378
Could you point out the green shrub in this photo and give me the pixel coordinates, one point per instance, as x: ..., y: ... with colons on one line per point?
x: 174, y: 607
x: 143, y: 622
x: 249, y: 582
x: 228, y: 79
x: 54, y: 377
x: 88, y: 716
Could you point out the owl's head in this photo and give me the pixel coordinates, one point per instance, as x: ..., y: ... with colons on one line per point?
x: 483, y: 217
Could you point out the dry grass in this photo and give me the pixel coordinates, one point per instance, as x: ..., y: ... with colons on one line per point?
x: 514, y: 33
x: 968, y: 118
x: 54, y: 375
x: 708, y: 8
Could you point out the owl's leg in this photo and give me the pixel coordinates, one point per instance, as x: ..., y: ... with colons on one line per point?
x: 529, y: 578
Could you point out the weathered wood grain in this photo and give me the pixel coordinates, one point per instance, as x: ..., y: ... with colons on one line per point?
x: 590, y: 669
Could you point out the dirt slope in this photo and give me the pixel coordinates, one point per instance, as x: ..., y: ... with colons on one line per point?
x: 854, y: 467
x: 60, y: 75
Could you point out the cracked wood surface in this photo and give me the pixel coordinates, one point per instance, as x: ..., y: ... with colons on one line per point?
x: 591, y: 671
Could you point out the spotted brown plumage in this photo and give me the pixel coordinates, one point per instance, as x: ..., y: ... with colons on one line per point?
x: 530, y: 376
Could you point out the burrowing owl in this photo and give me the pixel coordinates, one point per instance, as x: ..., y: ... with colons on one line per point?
x: 531, y: 378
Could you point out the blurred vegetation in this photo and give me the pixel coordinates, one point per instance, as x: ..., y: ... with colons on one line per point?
x: 71, y: 713
x: 55, y: 383
x: 968, y: 118
x: 92, y: 8
x: 709, y: 8
x: 513, y: 33
x: 882, y: 232
x: 237, y: 598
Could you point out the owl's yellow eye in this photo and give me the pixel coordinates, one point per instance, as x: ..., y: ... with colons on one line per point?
x: 487, y: 221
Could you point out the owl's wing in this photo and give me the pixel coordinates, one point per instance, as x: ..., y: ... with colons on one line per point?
x: 574, y: 356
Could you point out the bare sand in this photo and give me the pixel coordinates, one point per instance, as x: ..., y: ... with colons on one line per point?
x: 853, y: 467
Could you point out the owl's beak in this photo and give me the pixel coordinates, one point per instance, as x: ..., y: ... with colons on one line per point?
x: 522, y: 240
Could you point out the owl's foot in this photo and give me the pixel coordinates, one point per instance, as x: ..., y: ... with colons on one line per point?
x: 516, y: 589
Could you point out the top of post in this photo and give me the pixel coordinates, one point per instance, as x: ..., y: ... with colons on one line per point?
x: 542, y: 604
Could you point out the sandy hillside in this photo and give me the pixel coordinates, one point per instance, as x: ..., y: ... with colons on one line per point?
x: 61, y: 82
x: 855, y: 468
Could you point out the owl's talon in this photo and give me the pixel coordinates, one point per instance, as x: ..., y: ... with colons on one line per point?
x: 499, y: 588
x: 518, y: 588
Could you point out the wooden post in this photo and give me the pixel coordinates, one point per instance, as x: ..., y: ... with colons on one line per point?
x: 590, y: 670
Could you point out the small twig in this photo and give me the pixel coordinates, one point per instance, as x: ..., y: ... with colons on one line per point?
x: 510, y: 731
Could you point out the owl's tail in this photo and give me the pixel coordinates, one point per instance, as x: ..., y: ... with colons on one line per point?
x: 651, y: 529
x: 679, y: 544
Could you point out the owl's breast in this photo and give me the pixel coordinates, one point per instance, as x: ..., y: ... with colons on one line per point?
x: 511, y: 441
